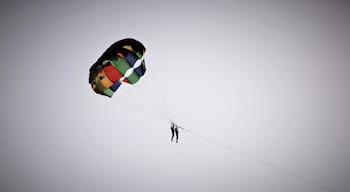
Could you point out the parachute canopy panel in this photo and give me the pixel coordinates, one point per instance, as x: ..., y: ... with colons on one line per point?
x: 110, y: 70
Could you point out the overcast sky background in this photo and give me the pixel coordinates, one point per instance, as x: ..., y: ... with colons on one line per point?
x: 270, y: 79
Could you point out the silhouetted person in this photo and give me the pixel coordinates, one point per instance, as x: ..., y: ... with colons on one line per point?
x: 176, y: 133
x: 172, y: 127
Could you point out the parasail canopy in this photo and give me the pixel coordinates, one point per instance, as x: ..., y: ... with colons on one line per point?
x: 121, y: 62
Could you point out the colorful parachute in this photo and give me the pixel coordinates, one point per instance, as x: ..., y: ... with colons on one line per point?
x: 116, y: 65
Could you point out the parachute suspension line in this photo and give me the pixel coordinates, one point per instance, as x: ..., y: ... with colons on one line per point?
x: 163, y: 98
x: 153, y: 78
x: 128, y: 99
x: 140, y: 108
x: 155, y: 97
x: 136, y: 108
x: 151, y: 101
x: 259, y: 160
x: 144, y: 102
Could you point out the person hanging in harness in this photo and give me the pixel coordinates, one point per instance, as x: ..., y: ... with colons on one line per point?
x: 174, y: 131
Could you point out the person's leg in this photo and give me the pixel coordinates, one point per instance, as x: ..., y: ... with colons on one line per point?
x: 172, y: 134
x: 177, y: 134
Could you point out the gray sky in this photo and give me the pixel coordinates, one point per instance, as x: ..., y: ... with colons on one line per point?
x: 270, y: 79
